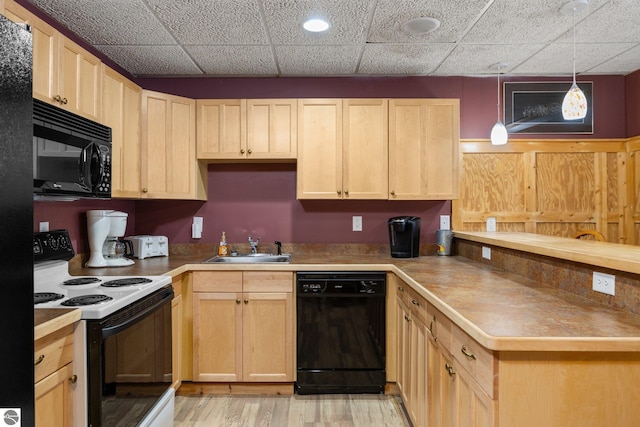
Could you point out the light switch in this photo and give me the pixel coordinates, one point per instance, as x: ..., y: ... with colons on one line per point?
x: 445, y: 222
x: 357, y: 223
x: 196, y: 228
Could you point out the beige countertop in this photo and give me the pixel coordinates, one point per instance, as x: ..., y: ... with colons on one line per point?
x: 602, y: 254
x: 502, y: 311
x: 49, y: 320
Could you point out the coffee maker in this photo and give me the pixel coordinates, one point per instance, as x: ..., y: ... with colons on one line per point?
x: 404, y: 236
x: 105, y: 227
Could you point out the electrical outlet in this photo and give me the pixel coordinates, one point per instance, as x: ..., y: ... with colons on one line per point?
x: 43, y: 226
x: 445, y: 222
x: 605, y: 283
x: 486, y: 252
x: 491, y: 223
x: 357, y: 223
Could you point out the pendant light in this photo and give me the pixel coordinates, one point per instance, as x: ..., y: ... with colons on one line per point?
x: 499, y: 135
x: 574, y: 105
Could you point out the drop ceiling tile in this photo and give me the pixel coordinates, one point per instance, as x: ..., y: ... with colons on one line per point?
x: 199, y: 22
x: 454, y: 15
x: 520, y: 22
x: 624, y: 63
x: 152, y: 60
x: 617, y: 21
x: 117, y: 22
x: 317, y: 60
x: 234, y: 60
x: 348, y: 19
x: 557, y: 58
x: 397, y: 59
x: 478, y: 59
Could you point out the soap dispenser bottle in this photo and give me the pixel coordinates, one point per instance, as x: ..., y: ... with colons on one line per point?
x: 222, y: 249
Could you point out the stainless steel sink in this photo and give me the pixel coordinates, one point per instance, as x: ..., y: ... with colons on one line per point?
x: 251, y: 258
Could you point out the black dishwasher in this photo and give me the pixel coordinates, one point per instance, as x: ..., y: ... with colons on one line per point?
x: 340, y: 332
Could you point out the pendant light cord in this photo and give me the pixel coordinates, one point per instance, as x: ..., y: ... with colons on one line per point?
x: 574, y: 45
x: 498, y: 93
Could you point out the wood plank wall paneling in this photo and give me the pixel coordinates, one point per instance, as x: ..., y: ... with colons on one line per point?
x: 552, y: 186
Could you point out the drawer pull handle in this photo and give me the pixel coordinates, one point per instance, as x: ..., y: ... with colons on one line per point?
x: 39, y: 360
x: 414, y: 302
x: 73, y: 379
x: 467, y: 353
x: 60, y: 99
x: 407, y: 318
x: 400, y: 288
x: 435, y: 338
x: 449, y: 369
x: 238, y: 301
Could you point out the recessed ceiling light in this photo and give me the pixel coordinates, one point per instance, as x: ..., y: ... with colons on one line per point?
x: 422, y: 25
x: 316, y: 25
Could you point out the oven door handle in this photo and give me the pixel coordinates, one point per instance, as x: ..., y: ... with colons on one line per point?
x: 124, y: 320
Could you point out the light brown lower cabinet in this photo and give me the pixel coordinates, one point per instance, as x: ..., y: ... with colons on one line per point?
x: 243, y: 326
x: 55, y: 379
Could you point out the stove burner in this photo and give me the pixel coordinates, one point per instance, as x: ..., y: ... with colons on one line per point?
x: 81, y: 281
x: 86, y: 300
x: 129, y: 281
x: 42, y: 297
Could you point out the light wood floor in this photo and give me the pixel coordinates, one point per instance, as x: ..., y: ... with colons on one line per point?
x: 355, y: 410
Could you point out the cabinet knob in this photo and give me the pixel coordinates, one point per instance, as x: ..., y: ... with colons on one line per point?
x: 73, y: 379
x: 60, y: 99
x: 144, y: 190
x: 346, y: 192
x: 339, y: 192
x: 246, y: 301
x: 39, y: 360
x: 393, y: 193
x: 414, y: 302
x: 242, y: 151
x: 238, y: 301
x: 249, y: 151
x: 400, y: 288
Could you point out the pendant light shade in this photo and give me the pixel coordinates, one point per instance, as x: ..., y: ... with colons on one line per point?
x: 574, y: 105
x: 499, y: 134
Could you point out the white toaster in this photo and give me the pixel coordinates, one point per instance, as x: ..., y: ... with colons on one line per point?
x: 149, y: 246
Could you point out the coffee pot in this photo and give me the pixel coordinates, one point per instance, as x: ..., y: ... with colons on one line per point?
x: 105, y: 228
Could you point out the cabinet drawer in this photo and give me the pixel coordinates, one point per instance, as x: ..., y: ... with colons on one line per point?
x: 476, y: 359
x: 52, y: 352
x: 268, y: 281
x: 438, y: 329
x: 219, y: 281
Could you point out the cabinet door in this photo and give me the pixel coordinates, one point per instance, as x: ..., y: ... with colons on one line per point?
x: 403, y: 325
x: 418, y: 372
x: 424, y: 155
x: 365, y: 149
x: 221, y: 129
x: 121, y: 104
x: 45, y: 42
x: 474, y: 407
x: 176, y: 340
x: 54, y: 399
x: 267, y: 333
x: 217, y: 336
x: 319, y: 149
x: 169, y: 166
x: 272, y: 128
x: 79, y: 79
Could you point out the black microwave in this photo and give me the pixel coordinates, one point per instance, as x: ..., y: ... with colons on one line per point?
x: 71, y: 155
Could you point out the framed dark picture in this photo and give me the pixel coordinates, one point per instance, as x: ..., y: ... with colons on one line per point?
x: 536, y: 107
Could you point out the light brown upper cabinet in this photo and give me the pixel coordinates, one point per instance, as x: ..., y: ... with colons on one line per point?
x: 121, y: 105
x: 64, y: 73
x: 169, y: 166
x: 342, y: 149
x: 246, y: 129
x: 424, y: 149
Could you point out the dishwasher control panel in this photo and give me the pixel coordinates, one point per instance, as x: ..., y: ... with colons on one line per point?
x: 341, y: 283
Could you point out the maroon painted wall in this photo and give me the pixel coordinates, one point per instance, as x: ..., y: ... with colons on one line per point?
x: 260, y: 201
x: 632, y: 84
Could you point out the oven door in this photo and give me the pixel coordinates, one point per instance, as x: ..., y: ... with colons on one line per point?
x: 129, y: 361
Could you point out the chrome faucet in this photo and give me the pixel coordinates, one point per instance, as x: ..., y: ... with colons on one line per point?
x: 254, y: 245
